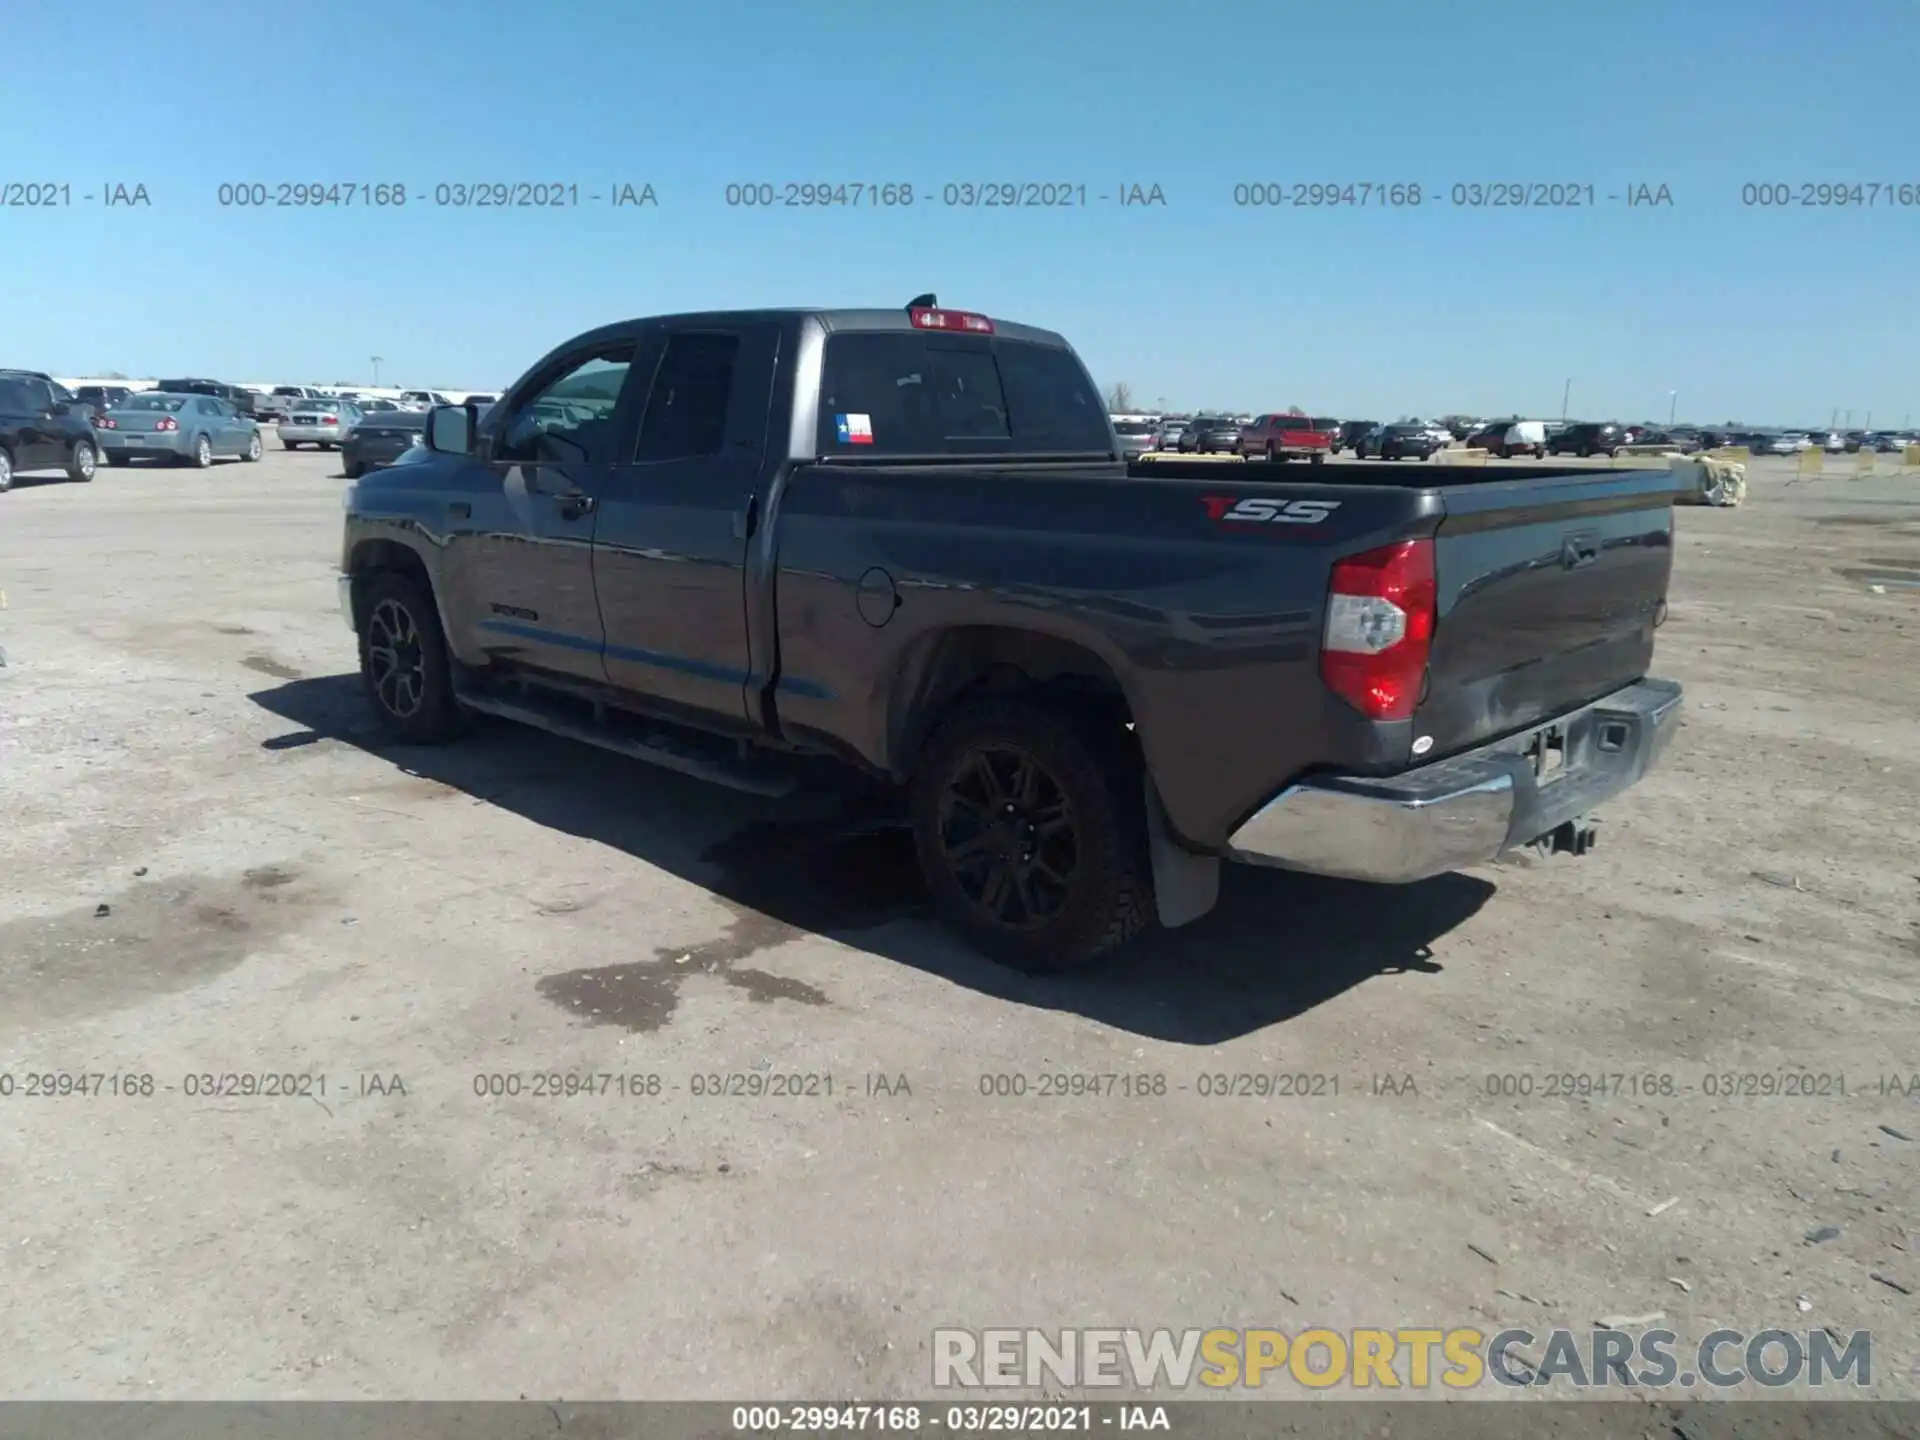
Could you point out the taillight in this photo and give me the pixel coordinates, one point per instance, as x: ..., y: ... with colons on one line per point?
x: 1380, y: 614
x: 927, y: 319
x: 106, y: 422
x: 169, y: 423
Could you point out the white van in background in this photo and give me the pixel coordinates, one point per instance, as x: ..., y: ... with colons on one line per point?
x: 1527, y: 437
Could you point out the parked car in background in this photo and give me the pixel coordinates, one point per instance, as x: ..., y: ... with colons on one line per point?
x: 1351, y: 432
x: 1831, y: 441
x: 98, y: 399
x: 241, y: 398
x: 377, y: 405
x: 1211, y: 434
x: 380, y: 438
x: 283, y: 398
x: 180, y: 428
x: 1442, y: 435
x: 1285, y: 437
x: 422, y: 399
x: 1588, y: 437
x: 1329, y: 427
x: 40, y: 431
x: 320, y: 423
x: 1405, y: 440
x: 1169, y: 434
x: 1136, y: 438
x: 482, y: 401
x: 1490, y: 437
x: 1891, y: 443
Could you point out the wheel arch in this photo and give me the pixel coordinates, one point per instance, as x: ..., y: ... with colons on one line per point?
x: 948, y: 668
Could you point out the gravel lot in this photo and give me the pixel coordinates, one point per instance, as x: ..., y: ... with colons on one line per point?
x: 211, y: 868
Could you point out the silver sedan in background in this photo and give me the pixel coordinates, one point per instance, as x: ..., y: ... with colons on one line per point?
x: 180, y: 429
x: 322, y: 424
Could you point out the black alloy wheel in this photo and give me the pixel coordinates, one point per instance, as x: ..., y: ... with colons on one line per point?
x: 1030, y: 828
x: 404, y: 663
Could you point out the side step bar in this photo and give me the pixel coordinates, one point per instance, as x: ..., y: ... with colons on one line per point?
x: 703, y: 757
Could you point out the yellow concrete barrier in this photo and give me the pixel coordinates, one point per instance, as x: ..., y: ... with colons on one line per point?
x: 1812, y: 462
x: 1461, y: 457
x: 1912, y: 454
x: 1863, y: 461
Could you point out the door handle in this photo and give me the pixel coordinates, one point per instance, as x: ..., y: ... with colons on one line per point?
x: 745, y: 520
x: 572, y: 507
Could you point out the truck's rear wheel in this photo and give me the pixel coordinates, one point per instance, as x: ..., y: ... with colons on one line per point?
x: 404, y: 663
x: 1030, y: 831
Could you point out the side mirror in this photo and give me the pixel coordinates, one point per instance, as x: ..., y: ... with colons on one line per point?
x: 450, y: 429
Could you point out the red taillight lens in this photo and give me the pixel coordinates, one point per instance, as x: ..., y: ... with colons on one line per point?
x: 167, y: 424
x: 1379, y: 631
x: 106, y: 422
x: 951, y: 320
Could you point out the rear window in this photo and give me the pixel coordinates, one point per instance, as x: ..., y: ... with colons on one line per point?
x: 1132, y: 427
x: 327, y: 405
x: 167, y: 403
x: 916, y: 394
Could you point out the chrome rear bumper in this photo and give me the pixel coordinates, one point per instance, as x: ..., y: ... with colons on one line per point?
x: 1466, y: 809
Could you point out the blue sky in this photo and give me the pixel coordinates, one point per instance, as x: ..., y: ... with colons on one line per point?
x: 1749, y: 313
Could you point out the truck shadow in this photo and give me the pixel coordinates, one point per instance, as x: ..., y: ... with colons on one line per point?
x: 825, y: 863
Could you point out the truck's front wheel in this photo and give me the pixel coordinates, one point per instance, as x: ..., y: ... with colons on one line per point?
x: 403, y: 660
x: 1029, y: 829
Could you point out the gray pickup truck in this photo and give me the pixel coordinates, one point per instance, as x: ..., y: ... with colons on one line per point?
x: 905, y: 543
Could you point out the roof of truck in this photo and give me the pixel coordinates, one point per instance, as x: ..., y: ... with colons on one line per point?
x: 836, y: 319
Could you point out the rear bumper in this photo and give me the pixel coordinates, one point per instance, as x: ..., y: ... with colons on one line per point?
x: 310, y: 434
x: 141, y: 442
x: 1467, y: 809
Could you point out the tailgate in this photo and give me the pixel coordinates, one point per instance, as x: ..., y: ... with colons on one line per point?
x: 1549, y: 592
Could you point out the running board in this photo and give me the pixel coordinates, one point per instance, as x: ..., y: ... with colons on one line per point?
x: 708, y: 758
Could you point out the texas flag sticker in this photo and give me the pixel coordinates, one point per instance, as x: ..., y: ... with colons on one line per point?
x: 854, y: 429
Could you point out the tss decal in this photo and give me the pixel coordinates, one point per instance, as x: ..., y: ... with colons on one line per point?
x: 1257, y: 511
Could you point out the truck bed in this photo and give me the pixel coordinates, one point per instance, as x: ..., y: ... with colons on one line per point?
x: 1551, y: 580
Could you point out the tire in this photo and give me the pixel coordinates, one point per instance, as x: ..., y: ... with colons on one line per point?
x: 82, y: 461
x: 289, y: 444
x: 326, y: 445
x: 202, y: 457
x: 352, y: 471
x: 1044, y: 922
x: 404, y: 665
x: 6, y: 470
x: 1316, y: 459
x: 255, y: 449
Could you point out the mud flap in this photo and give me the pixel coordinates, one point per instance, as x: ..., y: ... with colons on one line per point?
x: 1185, y: 885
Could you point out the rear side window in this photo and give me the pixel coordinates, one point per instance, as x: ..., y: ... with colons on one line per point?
x: 687, y: 409
x: 911, y: 394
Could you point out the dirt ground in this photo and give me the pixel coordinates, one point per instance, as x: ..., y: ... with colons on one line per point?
x: 208, y: 867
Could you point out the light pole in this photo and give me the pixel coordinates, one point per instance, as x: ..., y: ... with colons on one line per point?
x: 376, y: 371
x: 1673, y: 406
x: 1563, y: 397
